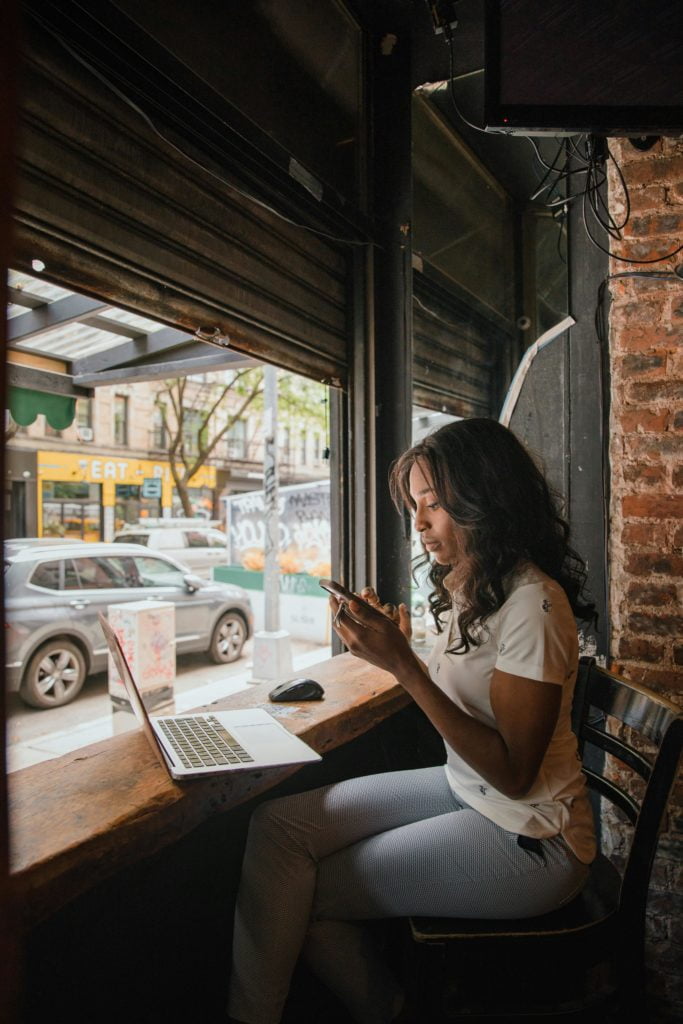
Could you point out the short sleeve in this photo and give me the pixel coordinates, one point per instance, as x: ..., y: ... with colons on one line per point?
x: 537, y: 635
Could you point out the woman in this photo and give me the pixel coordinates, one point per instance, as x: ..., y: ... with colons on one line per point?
x: 505, y: 828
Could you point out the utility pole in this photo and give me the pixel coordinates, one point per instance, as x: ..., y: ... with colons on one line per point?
x: 272, y: 653
x: 271, y: 577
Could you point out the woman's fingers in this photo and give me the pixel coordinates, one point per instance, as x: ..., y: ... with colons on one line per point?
x: 404, y: 621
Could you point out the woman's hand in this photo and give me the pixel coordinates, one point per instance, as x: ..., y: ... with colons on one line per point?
x: 399, y: 616
x: 369, y: 632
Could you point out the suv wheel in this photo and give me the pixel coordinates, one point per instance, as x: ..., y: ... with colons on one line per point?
x: 54, y: 676
x: 228, y: 638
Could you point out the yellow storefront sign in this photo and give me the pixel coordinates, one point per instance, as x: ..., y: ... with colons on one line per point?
x: 108, y: 471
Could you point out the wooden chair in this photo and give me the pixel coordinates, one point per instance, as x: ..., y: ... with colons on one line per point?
x: 587, y: 959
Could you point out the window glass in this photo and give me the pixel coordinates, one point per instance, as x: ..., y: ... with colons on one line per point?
x: 217, y: 539
x: 84, y: 412
x: 155, y: 572
x: 104, y: 573
x: 71, y: 580
x: 196, y: 539
x: 47, y: 574
x: 132, y: 538
x: 169, y: 539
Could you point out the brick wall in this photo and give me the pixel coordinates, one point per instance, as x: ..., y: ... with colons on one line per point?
x: 646, y: 510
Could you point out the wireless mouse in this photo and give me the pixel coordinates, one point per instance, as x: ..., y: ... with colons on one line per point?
x: 297, y: 689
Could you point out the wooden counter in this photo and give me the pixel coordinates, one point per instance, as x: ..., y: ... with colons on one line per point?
x: 79, y: 819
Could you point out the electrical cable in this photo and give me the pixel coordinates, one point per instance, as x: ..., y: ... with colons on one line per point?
x: 448, y: 33
x: 89, y: 66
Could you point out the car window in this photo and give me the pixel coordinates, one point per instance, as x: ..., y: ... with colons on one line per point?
x: 155, y: 572
x: 217, y: 539
x: 168, y: 539
x: 104, y: 572
x: 47, y: 574
x: 196, y: 539
x: 132, y: 538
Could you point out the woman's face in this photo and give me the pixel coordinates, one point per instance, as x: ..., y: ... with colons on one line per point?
x: 438, y: 532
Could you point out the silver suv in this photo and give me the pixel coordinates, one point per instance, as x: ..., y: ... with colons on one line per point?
x: 193, y: 542
x: 53, y: 594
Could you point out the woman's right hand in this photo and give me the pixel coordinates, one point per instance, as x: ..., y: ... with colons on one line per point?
x: 399, y: 616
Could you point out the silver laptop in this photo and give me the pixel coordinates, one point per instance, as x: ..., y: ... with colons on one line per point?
x: 196, y: 745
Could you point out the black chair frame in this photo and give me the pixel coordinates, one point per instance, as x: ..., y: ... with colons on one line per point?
x: 586, y: 960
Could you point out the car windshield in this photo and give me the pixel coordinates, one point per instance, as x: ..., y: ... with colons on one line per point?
x: 132, y: 538
x: 153, y: 572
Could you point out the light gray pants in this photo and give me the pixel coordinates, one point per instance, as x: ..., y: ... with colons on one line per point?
x: 381, y: 846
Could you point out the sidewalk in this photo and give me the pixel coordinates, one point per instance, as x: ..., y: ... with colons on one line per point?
x: 54, y: 744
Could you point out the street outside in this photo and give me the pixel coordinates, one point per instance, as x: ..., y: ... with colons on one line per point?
x: 34, y: 736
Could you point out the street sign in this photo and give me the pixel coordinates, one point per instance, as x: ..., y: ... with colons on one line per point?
x: 151, y: 487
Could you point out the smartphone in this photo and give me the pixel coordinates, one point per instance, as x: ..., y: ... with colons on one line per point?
x: 341, y: 593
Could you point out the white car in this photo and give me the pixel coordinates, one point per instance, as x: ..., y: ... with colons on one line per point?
x: 195, y: 543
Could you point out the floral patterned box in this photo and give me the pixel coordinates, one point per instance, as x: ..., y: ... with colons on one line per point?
x: 146, y: 631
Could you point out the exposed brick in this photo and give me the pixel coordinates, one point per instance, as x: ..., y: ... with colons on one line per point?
x: 661, y: 563
x: 662, y: 679
x: 645, y: 199
x: 643, y: 421
x: 645, y: 534
x: 661, y: 224
x: 639, y: 649
x: 656, y: 391
x: 644, y: 338
x: 640, y: 312
x: 648, y: 446
x: 678, y: 420
x: 649, y: 172
x: 644, y: 473
x: 677, y: 479
x: 653, y: 594
x: 653, y: 364
x: 655, y: 506
x: 678, y: 539
x: 656, y: 625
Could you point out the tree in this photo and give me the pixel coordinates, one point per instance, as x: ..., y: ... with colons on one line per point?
x: 205, y: 406
x: 198, y: 413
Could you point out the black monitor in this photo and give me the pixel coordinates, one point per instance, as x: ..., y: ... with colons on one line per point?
x: 606, y: 67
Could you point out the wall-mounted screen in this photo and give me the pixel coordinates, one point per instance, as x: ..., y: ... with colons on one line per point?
x: 609, y: 68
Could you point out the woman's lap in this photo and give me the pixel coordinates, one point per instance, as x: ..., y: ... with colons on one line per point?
x: 402, y: 843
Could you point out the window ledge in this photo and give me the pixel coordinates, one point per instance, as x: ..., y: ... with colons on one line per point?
x: 79, y: 819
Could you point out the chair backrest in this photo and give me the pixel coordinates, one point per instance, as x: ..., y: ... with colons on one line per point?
x: 650, y: 747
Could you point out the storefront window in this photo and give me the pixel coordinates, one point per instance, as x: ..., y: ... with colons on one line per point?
x: 72, y: 510
x: 130, y: 505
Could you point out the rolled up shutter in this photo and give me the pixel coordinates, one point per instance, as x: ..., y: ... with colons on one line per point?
x: 113, y: 209
x: 455, y: 347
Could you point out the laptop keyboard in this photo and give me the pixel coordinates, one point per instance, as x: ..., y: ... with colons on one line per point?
x: 203, y: 742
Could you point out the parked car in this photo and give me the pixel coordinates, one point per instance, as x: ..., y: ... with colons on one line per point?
x: 193, y: 542
x: 14, y: 544
x: 53, y: 594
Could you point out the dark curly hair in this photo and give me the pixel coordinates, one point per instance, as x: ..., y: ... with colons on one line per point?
x: 494, y: 491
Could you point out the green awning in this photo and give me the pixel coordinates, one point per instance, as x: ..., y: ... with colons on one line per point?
x: 25, y: 405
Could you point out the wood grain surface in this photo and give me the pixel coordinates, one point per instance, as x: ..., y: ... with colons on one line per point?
x: 82, y: 817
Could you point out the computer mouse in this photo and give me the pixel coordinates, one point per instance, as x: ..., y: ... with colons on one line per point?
x: 297, y: 689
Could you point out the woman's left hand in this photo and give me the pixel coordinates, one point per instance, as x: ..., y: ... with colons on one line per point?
x: 371, y: 634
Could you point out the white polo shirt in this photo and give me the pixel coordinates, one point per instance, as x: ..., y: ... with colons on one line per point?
x: 533, y: 635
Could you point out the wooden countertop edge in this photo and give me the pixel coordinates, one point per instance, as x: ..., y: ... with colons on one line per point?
x: 77, y: 820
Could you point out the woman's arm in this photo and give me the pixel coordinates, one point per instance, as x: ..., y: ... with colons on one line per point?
x: 508, y: 756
